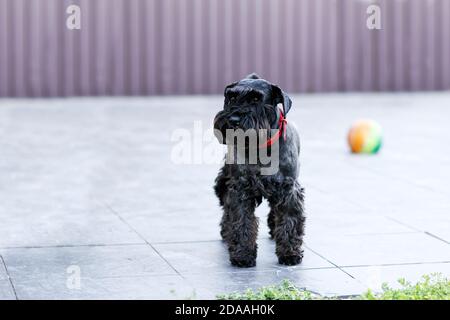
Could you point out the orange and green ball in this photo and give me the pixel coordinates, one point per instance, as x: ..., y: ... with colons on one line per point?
x: 365, y: 136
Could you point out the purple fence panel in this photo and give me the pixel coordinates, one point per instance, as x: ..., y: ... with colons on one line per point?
x: 4, y: 67
x: 444, y: 62
x: 149, y: 47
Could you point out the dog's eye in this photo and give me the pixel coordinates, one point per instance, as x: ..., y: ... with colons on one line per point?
x: 232, y: 99
x: 255, y: 99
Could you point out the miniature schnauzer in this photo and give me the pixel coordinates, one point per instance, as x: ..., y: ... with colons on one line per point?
x: 253, y: 104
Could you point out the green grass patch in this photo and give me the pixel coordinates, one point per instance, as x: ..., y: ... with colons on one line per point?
x: 430, y: 287
x: 284, y: 291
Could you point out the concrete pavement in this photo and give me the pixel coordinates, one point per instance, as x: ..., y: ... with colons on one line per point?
x: 93, y: 206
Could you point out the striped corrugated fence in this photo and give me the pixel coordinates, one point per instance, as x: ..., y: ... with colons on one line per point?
x: 147, y: 47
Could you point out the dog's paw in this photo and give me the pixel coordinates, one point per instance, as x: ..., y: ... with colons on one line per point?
x: 243, y: 262
x: 290, y: 260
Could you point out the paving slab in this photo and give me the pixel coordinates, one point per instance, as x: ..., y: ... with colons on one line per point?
x: 319, y: 202
x: 186, y: 225
x: 375, y: 276
x: 3, y: 272
x: 121, y: 288
x: 393, y: 198
x: 40, y: 221
x: 379, y: 249
x: 358, y: 222
x: 158, y: 190
x: 83, y: 172
x: 175, y: 226
x: 212, y: 256
x: 327, y: 282
x: 6, y: 290
x: 91, y: 261
x: 106, y: 272
x: 436, y: 226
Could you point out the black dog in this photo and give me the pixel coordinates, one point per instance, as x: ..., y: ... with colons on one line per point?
x: 252, y: 103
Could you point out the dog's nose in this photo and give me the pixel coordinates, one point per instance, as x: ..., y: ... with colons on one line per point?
x: 235, y: 119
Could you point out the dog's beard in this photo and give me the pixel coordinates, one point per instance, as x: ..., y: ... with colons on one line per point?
x: 262, y: 119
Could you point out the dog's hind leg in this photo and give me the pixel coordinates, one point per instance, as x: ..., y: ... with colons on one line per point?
x: 289, y: 224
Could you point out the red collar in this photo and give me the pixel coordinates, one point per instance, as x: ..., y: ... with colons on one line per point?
x: 282, y: 122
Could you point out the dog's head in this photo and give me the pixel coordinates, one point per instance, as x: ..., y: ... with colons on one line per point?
x: 251, y: 103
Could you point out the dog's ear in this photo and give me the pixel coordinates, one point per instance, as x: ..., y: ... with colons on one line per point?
x: 229, y: 87
x: 281, y: 97
x: 253, y: 76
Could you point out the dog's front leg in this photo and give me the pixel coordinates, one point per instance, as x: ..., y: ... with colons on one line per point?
x: 240, y: 227
x: 289, y: 225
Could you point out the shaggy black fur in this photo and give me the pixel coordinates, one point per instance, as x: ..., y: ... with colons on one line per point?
x: 252, y: 104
